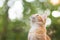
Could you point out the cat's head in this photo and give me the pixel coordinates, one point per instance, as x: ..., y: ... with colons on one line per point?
x: 38, y: 19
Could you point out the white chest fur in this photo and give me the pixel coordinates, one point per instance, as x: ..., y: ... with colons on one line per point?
x: 33, y: 28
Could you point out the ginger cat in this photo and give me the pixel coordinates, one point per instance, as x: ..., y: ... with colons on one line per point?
x: 38, y: 29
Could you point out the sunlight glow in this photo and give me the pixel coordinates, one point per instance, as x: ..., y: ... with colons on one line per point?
x: 10, y: 3
x: 55, y: 2
x: 56, y: 13
x: 40, y: 11
x: 30, y: 0
x: 2, y: 3
x: 48, y: 22
x: 43, y: 0
x: 16, y: 11
x: 47, y: 11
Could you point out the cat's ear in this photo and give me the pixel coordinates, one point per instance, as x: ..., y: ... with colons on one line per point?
x: 44, y: 16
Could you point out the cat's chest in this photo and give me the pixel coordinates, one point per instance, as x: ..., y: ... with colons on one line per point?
x: 39, y: 30
x: 33, y: 29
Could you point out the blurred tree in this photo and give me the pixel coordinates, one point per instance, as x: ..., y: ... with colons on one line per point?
x: 5, y: 20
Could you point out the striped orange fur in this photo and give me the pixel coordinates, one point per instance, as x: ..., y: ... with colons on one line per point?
x: 38, y: 29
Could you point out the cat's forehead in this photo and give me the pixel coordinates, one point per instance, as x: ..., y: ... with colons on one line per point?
x: 35, y: 15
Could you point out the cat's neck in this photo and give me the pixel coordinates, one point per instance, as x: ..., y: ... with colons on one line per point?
x: 37, y: 25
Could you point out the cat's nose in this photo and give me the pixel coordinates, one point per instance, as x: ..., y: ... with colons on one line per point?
x: 33, y: 19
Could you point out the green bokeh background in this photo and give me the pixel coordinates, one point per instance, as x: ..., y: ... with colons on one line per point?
x: 18, y: 30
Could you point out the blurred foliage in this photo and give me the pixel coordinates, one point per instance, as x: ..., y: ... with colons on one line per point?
x: 18, y: 30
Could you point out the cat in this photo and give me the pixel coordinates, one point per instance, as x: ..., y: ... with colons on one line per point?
x: 38, y: 29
